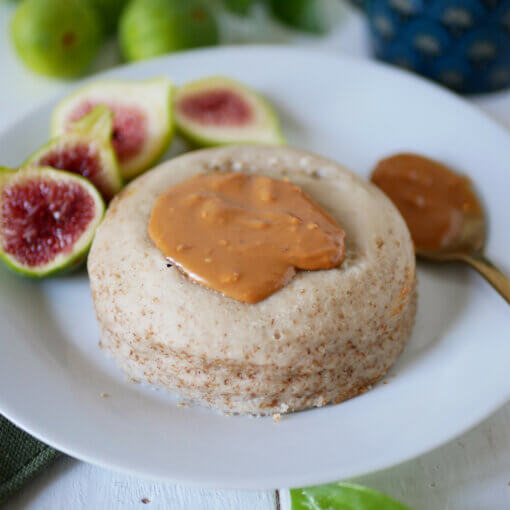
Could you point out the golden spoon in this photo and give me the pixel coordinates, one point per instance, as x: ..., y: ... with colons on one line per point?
x: 442, y: 211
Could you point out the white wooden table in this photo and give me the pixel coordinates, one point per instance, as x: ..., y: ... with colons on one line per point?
x: 470, y: 473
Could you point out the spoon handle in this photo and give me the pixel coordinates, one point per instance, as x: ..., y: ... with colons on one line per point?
x: 490, y: 272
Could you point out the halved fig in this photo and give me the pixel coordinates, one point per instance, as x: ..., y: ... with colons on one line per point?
x: 47, y: 220
x: 142, y: 122
x: 222, y: 111
x: 86, y: 150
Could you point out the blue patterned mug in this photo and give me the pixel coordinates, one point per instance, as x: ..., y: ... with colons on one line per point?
x: 463, y: 44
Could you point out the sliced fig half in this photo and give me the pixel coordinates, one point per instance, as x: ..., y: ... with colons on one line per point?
x: 47, y: 220
x: 142, y: 121
x: 222, y: 111
x: 86, y: 150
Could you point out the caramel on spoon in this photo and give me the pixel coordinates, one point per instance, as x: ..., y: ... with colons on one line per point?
x: 443, y: 213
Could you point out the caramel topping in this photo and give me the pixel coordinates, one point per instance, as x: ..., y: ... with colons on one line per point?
x: 433, y: 199
x: 244, y: 235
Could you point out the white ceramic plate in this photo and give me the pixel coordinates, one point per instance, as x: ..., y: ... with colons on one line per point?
x: 453, y: 373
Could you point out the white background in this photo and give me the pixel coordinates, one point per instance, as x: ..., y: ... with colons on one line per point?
x: 471, y: 472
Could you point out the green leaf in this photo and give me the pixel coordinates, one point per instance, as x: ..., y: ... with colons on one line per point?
x: 342, y: 496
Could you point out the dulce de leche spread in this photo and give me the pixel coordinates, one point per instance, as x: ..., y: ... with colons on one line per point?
x: 244, y: 235
x: 433, y: 199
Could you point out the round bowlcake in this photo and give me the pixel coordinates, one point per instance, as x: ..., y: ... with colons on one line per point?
x: 323, y: 338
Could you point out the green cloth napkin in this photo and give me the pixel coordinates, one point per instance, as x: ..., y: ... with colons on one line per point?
x: 21, y: 458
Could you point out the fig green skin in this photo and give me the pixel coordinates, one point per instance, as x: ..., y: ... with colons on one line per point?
x: 240, y: 7
x: 95, y: 127
x: 300, y: 14
x: 77, y: 256
x: 342, y: 495
x: 117, y: 89
x: 199, y: 139
x: 155, y: 27
x: 109, y: 12
x: 57, y: 38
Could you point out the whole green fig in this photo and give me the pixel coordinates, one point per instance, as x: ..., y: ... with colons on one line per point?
x: 154, y: 27
x: 56, y: 37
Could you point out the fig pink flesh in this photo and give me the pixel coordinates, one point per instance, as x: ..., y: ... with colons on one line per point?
x: 40, y: 218
x: 216, y: 108
x: 80, y: 159
x: 129, y: 127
